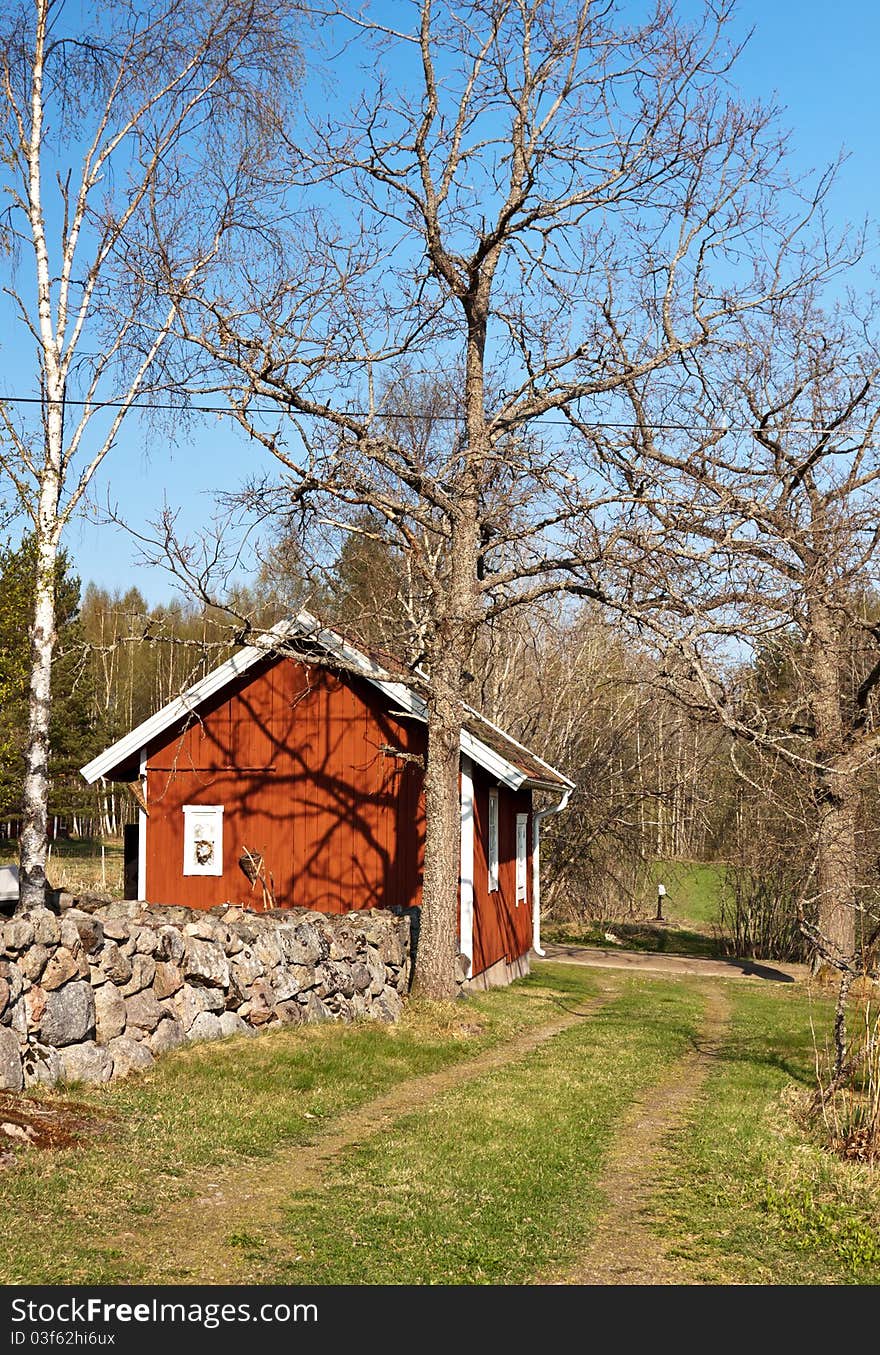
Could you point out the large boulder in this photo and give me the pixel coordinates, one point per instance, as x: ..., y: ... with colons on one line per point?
x: 17, y: 934
x: 89, y: 930
x: 11, y: 1075
x: 245, y: 968
x: 86, y: 1062
x: 69, y: 1017
x: 41, y: 1064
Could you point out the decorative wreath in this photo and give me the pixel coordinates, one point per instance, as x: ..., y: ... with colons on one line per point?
x: 204, y: 850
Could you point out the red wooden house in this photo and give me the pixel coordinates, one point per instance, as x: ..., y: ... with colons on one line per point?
x: 305, y: 753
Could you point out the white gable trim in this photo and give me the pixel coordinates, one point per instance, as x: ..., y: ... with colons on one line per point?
x: 308, y: 627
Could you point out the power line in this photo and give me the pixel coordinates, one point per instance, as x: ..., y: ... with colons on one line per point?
x: 156, y: 407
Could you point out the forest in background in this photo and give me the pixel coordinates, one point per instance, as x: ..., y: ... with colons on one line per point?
x: 654, y: 780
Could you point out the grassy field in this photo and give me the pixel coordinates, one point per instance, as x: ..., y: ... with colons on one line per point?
x: 747, y: 1193
x: 79, y: 864
x: 494, y: 1180
x: 691, y: 909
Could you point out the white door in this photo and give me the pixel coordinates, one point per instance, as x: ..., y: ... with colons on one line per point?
x: 522, y: 847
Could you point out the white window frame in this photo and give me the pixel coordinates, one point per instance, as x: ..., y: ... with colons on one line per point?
x: 492, y: 840
x: 191, y: 813
x: 522, y: 840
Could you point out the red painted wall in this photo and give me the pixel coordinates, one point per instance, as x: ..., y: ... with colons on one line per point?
x: 295, y: 756
x: 502, y: 928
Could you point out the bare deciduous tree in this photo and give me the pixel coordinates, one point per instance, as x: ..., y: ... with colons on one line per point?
x: 131, y: 120
x: 760, y: 513
x: 516, y: 186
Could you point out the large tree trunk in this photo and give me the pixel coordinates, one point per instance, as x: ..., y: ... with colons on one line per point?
x: 438, y: 932
x: 835, y: 792
x: 36, y: 776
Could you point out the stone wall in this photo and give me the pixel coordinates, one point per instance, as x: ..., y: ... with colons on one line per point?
x: 103, y: 988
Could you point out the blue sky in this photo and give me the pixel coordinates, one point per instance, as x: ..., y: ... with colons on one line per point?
x: 822, y: 62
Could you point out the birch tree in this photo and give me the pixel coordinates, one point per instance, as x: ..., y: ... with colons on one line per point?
x: 514, y: 185
x: 118, y: 122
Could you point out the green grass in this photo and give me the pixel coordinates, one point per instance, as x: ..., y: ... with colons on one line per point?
x: 693, y: 891
x: 497, y: 1180
x: 653, y: 938
x: 212, y: 1106
x: 76, y: 864
x: 749, y: 1196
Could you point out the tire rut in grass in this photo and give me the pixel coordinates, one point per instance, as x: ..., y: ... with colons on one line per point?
x: 624, y: 1249
x: 195, y: 1240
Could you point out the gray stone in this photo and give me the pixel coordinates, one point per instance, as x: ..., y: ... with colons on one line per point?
x: 262, y: 1002
x: 168, y: 979
x: 233, y: 945
x: 232, y: 1024
x: 267, y: 950
x: 169, y: 1034
x: 205, y: 963
x: 143, y: 1012
x: 316, y: 1010
x: 334, y: 978
x: 62, y: 967
x: 343, y: 944
x: 86, y: 1062
x: 110, y: 1015
x: 116, y: 928
x: 245, y: 968
x: 33, y: 962
x: 11, y: 974
x: 18, y: 933
x: 377, y: 971
x: 11, y: 1075
x: 387, y: 1006
x: 146, y: 941
x: 170, y: 945
x: 69, y: 1017
x: 18, y: 1016
x: 70, y: 935
x: 47, y: 929
x: 143, y: 968
x: 41, y: 1065
x: 360, y: 977
x: 115, y: 965
x: 314, y: 942
x: 129, y: 1056
x: 191, y: 1001
x: 392, y: 949
x: 290, y: 980
x: 207, y: 1026
x: 4, y: 995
